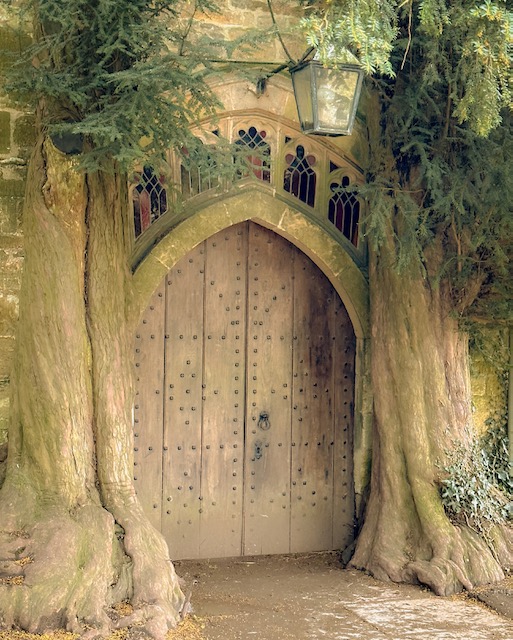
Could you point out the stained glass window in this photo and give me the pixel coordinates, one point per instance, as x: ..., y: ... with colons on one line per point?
x: 344, y: 209
x: 299, y: 178
x: 149, y: 200
x: 259, y: 156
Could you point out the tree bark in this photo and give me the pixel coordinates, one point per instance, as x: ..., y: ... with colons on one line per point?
x: 73, y: 537
x: 422, y: 399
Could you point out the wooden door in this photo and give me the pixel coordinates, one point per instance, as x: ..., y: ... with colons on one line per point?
x: 244, y: 406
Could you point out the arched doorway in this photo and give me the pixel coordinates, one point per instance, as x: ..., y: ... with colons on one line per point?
x: 244, y: 407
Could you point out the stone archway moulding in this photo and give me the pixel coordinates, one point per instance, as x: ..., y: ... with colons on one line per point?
x: 262, y: 208
x: 211, y: 214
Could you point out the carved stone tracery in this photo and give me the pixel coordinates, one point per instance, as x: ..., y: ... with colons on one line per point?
x: 302, y: 170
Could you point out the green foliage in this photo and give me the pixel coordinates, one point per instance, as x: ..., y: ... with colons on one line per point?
x: 466, y: 44
x: 468, y: 491
x: 366, y: 28
x: 468, y: 188
x: 121, y: 73
x: 485, y: 31
x: 126, y: 76
x: 440, y: 173
x: 495, y: 445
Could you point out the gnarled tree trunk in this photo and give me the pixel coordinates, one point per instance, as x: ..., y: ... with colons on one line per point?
x: 73, y: 537
x: 422, y: 403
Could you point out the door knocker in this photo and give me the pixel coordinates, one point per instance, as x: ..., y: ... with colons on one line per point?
x: 263, y: 421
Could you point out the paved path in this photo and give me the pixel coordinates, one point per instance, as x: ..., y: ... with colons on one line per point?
x: 310, y: 597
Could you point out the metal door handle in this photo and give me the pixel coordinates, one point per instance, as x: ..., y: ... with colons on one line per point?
x: 263, y: 421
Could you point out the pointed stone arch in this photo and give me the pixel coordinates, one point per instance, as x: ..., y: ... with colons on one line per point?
x: 259, y: 206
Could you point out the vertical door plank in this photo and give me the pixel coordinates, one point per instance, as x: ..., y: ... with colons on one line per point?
x: 344, y: 358
x: 182, y: 405
x: 313, y: 437
x: 223, y: 394
x: 269, y: 339
x: 148, y: 408
x: 245, y: 325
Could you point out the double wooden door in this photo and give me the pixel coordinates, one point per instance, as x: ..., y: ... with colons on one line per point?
x: 244, y: 407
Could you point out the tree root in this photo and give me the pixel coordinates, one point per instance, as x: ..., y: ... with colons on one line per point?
x: 156, y: 597
x: 64, y: 572
x: 442, y: 575
x: 462, y: 561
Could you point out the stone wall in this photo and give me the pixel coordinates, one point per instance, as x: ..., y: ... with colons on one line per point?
x: 489, y: 375
x: 242, y: 18
x: 16, y: 133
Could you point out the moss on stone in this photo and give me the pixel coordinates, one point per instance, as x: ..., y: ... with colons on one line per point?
x: 10, y: 215
x: 12, y: 188
x: 24, y: 133
x: 5, y: 131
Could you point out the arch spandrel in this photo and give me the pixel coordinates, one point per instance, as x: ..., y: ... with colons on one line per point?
x: 264, y: 209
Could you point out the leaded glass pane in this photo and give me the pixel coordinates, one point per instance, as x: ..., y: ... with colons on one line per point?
x: 344, y: 209
x: 259, y: 156
x: 299, y: 178
x: 149, y: 199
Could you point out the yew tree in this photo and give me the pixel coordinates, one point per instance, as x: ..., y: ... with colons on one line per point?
x: 440, y: 233
x: 115, y: 83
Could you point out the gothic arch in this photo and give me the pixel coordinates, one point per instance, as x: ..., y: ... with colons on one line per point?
x: 259, y: 206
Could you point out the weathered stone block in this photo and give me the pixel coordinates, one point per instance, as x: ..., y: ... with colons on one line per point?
x: 11, y: 258
x: 10, y: 283
x: 249, y: 5
x: 5, y: 132
x: 8, y: 313
x: 4, y: 414
x: 489, y: 384
x: 4, y: 426
x: 6, y: 355
x: 13, y: 40
x: 10, y: 215
x: 13, y: 43
x: 4, y: 385
x: 24, y: 132
x: 12, y: 188
x: 479, y: 385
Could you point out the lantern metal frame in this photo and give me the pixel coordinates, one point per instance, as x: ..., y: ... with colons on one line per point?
x: 308, y: 105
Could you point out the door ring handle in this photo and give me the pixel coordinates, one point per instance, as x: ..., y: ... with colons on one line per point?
x: 263, y: 421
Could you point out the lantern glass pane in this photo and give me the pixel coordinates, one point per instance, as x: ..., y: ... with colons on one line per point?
x: 336, y: 91
x: 302, y: 81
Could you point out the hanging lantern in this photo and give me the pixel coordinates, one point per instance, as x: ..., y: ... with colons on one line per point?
x: 327, y: 97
